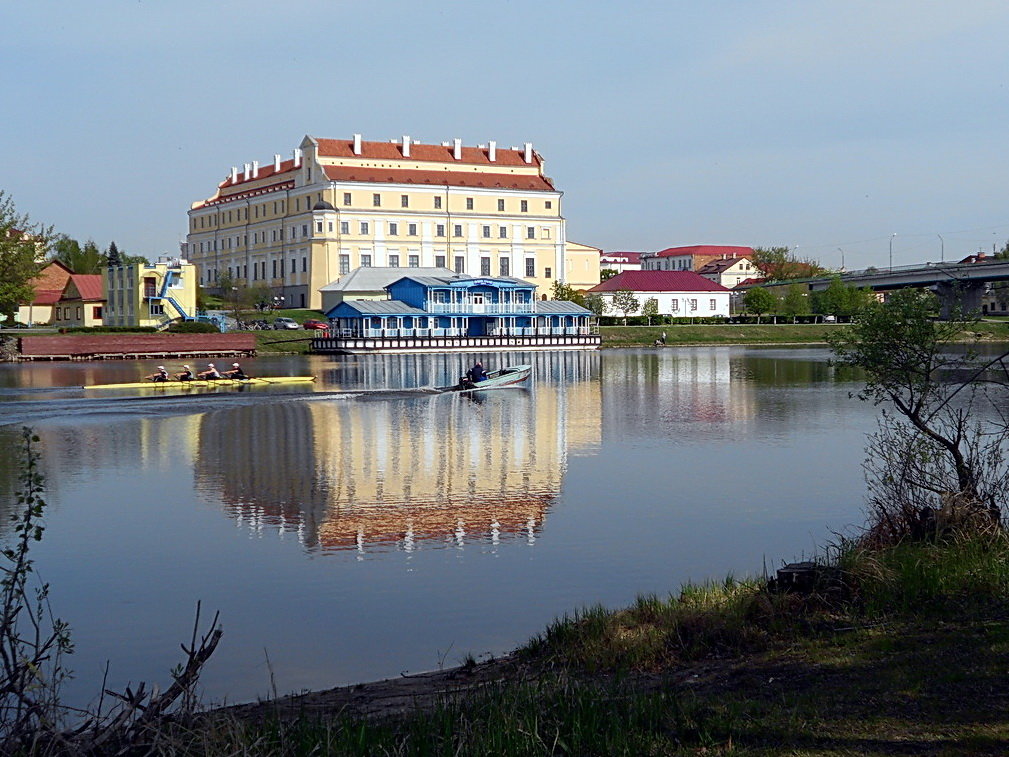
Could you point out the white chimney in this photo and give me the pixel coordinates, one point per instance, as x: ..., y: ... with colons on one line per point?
x: 528, y: 156
x: 296, y: 154
x: 457, y: 149
x: 255, y: 169
x: 406, y: 146
x: 492, y: 151
x: 245, y: 177
x: 276, y: 162
x: 234, y: 175
x: 357, y: 144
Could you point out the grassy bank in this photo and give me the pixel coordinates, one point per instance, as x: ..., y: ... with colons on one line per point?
x: 730, y: 333
x: 901, y: 651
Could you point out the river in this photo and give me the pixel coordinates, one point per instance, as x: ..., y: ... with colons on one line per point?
x: 359, y: 527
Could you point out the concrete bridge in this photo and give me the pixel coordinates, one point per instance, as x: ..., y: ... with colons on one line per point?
x: 959, y: 285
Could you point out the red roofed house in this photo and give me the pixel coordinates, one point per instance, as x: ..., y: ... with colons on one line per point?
x: 620, y: 261
x: 679, y: 293
x: 48, y: 285
x: 81, y: 302
x: 298, y: 225
x: 691, y: 258
x: 728, y: 271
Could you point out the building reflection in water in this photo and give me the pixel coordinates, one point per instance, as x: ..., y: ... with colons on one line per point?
x: 399, y: 472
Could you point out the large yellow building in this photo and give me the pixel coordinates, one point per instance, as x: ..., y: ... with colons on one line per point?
x: 297, y: 225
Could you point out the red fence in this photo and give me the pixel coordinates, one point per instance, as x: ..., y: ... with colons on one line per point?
x: 117, y: 346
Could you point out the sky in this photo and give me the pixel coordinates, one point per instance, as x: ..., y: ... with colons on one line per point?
x: 828, y: 127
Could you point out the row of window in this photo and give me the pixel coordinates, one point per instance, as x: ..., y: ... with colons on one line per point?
x: 413, y: 261
x: 279, y: 207
x: 692, y: 305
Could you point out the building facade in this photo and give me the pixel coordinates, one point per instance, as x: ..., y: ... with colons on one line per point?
x: 729, y: 271
x: 297, y: 225
x: 81, y: 302
x: 691, y: 258
x: 150, y: 294
x: 620, y: 261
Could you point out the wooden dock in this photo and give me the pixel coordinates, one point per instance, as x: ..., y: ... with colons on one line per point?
x: 134, y: 346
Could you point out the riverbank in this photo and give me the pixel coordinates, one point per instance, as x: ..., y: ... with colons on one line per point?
x: 897, y: 651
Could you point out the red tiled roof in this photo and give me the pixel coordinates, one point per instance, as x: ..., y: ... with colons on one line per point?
x: 713, y: 250
x: 746, y: 283
x: 265, y: 172
x: 47, y: 296
x: 659, y: 281
x: 719, y: 265
x: 436, y: 178
x: 89, y: 285
x: 344, y: 148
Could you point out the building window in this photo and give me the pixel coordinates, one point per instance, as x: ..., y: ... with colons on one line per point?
x: 485, y: 266
x: 693, y: 304
x: 346, y: 198
x: 439, y: 261
x: 344, y: 227
x: 504, y: 266
x: 502, y: 232
x: 437, y: 203
x: 394, y: 261
x: 414, y: 261
x: 411, y: 229
x: 500, y: 205
x: 469, y: 203
x: 439, y: 230
x: 366, y: 261
x: 393, y: 229
x: 547, y: 273
x: 364, y: 227
x: 530, y: 232
x: 457, y: 230
x: 304, y: 264
x: 376, y: 200
x: 549, y: 204
x: 546, y: 232
x: 460, y: 264
x: 294, y: 265
x: 675, y: 306
x: 404, y: 201
x: 531, y: 267
x: 712, y: 305
x: 486, y: 232
x: 304, y: 229
x: 344, y: 264
x: 524, y: 206
x: 274, y: 269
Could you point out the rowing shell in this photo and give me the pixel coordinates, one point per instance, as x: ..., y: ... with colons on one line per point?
x: 205, y: 382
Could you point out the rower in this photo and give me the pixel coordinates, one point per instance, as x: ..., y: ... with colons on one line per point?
x: 236, y: 372
x: 210, y: 373
x: 186, y: 374
x: 161, y: 375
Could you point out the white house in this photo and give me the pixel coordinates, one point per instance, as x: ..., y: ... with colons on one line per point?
x: 682, y: 294
x: 729, y: 271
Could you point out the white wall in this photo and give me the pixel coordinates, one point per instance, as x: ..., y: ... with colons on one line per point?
x: 678, y: 303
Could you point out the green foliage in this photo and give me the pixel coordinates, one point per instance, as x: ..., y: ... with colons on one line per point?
x: 758, y: 300
x: 779, y: 264
x: 561, y: 291
x: 193, y: 327
x: 606, y: 273
x: 22, y: 245
x: 842, y: 300
x: 595, y: 302
x: 624, y: 302
x: 796, y: 301
x: 86, y: 259
x: 650, y: 309
x: 112, y: 255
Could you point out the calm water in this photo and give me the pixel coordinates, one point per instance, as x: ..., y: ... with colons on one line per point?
x: 348, y: 534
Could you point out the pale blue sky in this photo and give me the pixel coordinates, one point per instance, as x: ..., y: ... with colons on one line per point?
x: 820, y: 124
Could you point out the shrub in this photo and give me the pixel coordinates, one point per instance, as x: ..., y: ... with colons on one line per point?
x: 193, y: 327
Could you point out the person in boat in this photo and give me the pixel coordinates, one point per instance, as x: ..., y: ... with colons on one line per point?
x: 186, y: 374
x: 210, y: 373
x: 160, y: 375
x: 477, y: 373
x: 236, y: 372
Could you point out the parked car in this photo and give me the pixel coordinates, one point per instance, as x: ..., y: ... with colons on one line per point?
x: 285, y: 323
x: 314, y: 323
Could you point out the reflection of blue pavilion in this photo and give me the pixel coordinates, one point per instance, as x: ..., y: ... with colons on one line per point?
x: 435, y: 313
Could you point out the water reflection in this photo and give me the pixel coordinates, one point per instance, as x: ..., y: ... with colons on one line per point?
x: 444, y: 469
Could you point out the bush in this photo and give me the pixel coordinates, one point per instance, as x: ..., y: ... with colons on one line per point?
x: 193, y: 327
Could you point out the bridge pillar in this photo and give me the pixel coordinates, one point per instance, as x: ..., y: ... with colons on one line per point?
x: 959, y: 298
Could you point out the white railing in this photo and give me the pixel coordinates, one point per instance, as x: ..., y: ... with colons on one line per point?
x: 493, y: 308
x: 541, y: 331
x: 385, y: 333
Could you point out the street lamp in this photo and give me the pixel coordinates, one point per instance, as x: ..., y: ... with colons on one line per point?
x: 842, y: 258
x: 891, y: 249
x: 942, y: 248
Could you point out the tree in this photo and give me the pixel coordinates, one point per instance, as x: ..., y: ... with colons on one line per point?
x: 625, y: 302
x: 596, y: 303
x: 779, y: 264
x: 842, y: 300
x: 23, y: 245
x: 650, y: 309
x: 758, y: 300
x: 112, y: 255
x: 607, y: 273
x: 940, y: 462
x: 796, y: 301
x: 562, y: 291
x: 86, y: 259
